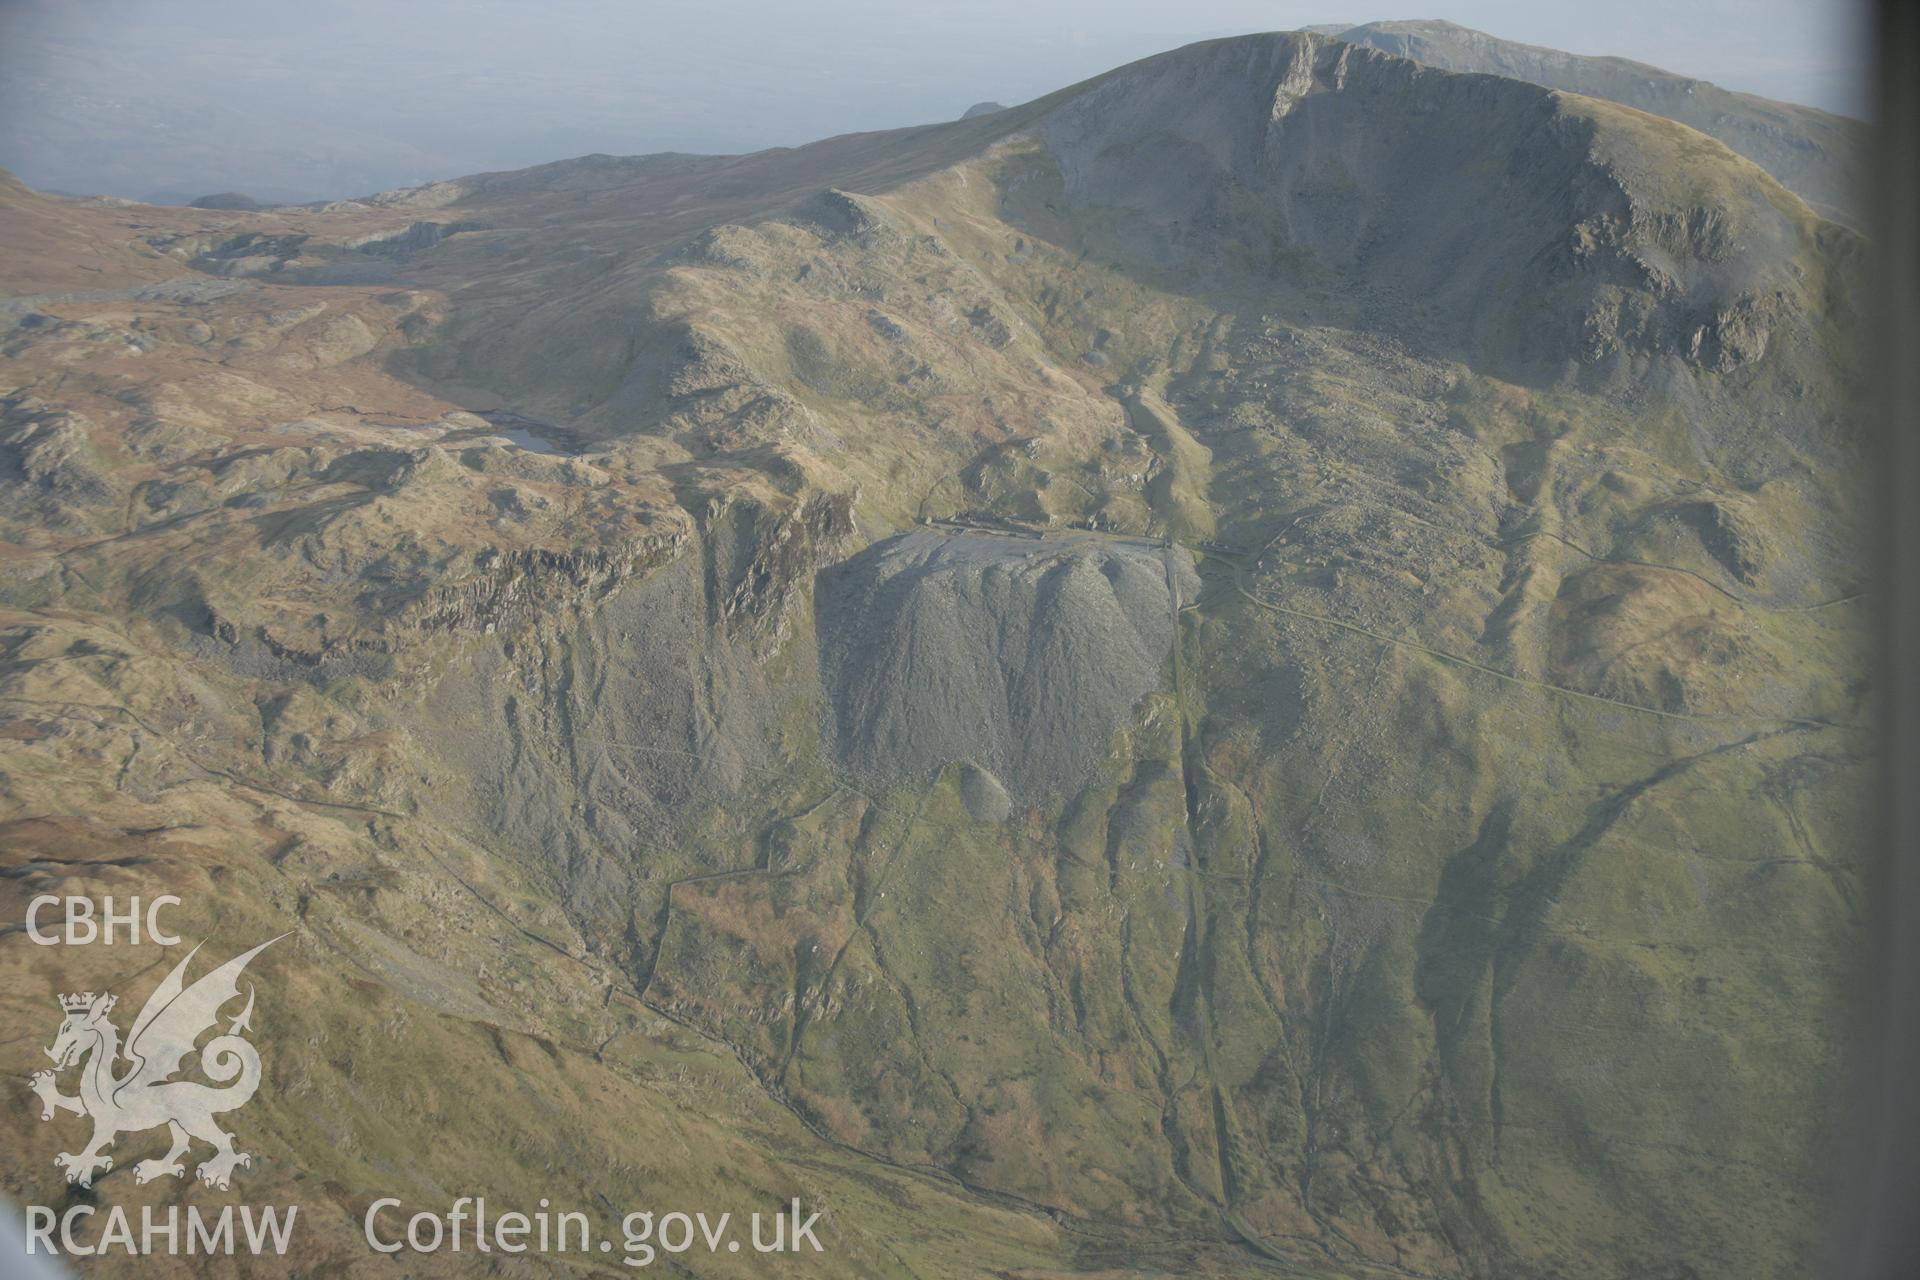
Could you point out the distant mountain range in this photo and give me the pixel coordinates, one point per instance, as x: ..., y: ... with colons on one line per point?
x: 169, y: 118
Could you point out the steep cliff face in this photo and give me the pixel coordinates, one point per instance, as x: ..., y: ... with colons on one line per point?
x: 1260, y: 653
x: 1554, y: 226
x: 1821, y: 156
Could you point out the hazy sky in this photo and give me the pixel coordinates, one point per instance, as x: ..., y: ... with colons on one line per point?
x: 306, y: 98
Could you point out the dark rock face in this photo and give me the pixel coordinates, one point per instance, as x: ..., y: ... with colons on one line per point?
x: 1815, y: 153
x: 1257, y: 157
x: 514, y: 585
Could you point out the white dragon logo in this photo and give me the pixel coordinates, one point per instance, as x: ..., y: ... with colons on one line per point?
x: 173, y: 1018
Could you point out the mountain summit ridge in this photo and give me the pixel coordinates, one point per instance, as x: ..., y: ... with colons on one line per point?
x: 1819, y: 154
x: 1255, y: 152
